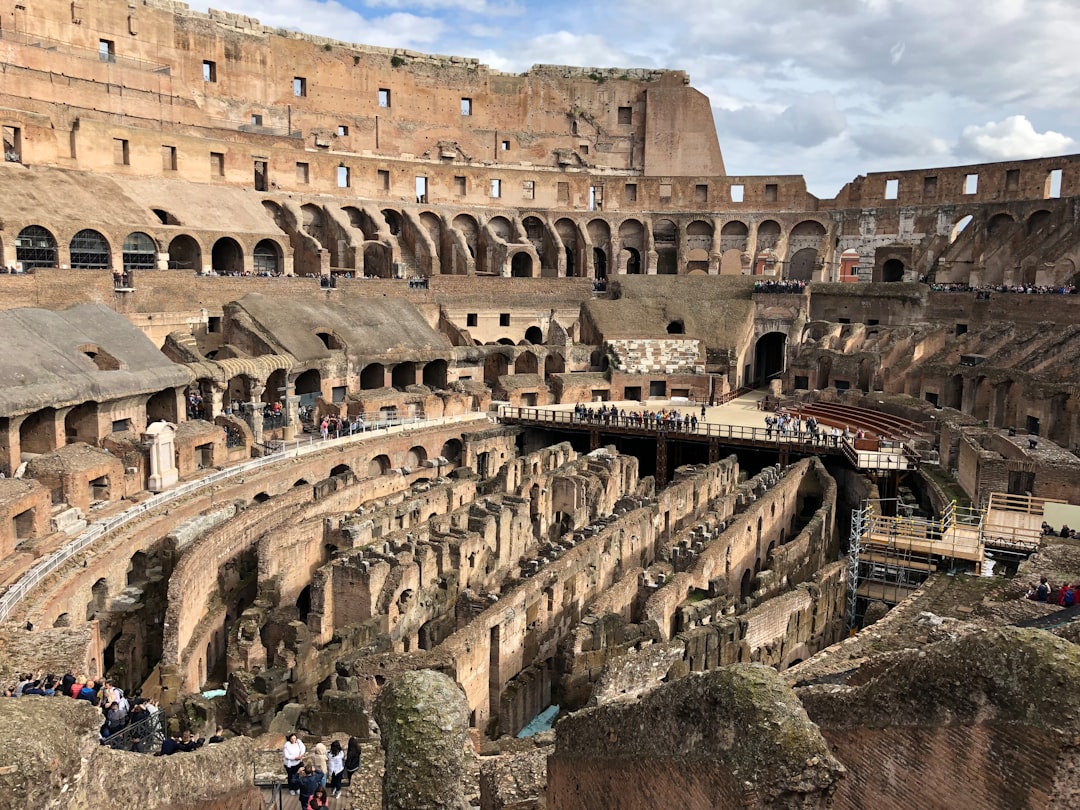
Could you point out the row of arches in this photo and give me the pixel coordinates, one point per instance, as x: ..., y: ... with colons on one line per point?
x: 536, y: 246
x: 89, y: 249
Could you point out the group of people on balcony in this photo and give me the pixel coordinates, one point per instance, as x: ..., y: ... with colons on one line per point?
x: 1025, y: 289
x: 782, y: 286
x: 664, y: 419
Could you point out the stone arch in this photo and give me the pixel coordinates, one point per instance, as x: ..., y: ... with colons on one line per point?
x: 535, y: 234
x: 140, y: 251
x: 770, y: 355
x: 185, y: 253
x: 165, y: 217
x: 372, y: 376
x: 521, y: 265
x: 467, y: 225
x: 959, y: 227
x: 768, y: 235
x: 161, y: 407
x: 1038, y: 220
x: 892, y: 270
x: 90, y: 250
x: 267, y: 258
x: 502, y: 228
x: 633, y: 261
x: 568, y: 235
x: 999, y: 224
x: 308, y: 386
x: 227, y: 256
x: 35, y: 246
x: 415, y: 457
x: 433, y: 224
x: 435, y: 374
x: 699, y: 235
x: 600, y: 270
x: 36, y: 432
x: 697, y: 262
x: 554, y: 364
x: 451, y: 450
x: 745, y: 584
x: 526, y: 363
x: 666, y: 243
x: 495, y: 365
x: 676, y: 327
x: 802, y: 264
x: 313, y: 222
x: 632, y: 234
x: 81, y: 423
x: 380, y: 465
x: 393, y: 220
x: 377, y: 260
x: 99, y: 598
x: 276, y: 213
x: 849, y: 265
x: 403, y: 374
x: 534, y: 335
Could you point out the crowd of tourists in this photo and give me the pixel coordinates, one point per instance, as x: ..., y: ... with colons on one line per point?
x: 1023, y: 289
x: 119, y: 712
x: 781, y: 286
x: 311, y: 774
x: 663, y: 419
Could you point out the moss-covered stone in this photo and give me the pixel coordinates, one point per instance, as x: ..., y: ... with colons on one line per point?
x: 423, y: 717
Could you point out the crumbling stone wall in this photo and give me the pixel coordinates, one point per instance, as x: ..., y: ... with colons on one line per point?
x: 985, y: 720
x: 732, y: 738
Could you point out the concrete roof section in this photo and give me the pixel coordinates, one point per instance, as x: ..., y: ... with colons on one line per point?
x: 45, y: 361
x: 90, y: 198
x: 717, y: 311
x: 373, y: 329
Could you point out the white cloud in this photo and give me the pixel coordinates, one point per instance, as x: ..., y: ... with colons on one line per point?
x: 808, y: 121
x: 1013, y: 138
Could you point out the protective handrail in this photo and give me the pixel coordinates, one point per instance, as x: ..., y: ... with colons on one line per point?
x: 19, y: 589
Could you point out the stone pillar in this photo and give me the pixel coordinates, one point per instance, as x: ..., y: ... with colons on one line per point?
x: 291, y: 404
x: 253, y: 411
x: 160, y: 442
x: 423, y: 717
x: 10, y: 452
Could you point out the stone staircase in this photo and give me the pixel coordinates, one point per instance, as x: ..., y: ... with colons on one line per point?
x: 409, y: 265
x: 657, y: 356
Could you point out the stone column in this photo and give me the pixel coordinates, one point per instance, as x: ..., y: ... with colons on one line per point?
x: 253, y: 411
x: 423, y: 717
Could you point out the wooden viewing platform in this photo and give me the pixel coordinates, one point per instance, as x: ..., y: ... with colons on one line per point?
x: 865, y: 454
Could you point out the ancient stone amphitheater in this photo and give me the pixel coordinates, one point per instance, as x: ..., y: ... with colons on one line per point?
x: 294, y: 330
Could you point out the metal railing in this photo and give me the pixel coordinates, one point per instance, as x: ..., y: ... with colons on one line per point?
x: 900, y: 459
x: 143, y: 737
x: 703, y: 429
x: 282, y: 450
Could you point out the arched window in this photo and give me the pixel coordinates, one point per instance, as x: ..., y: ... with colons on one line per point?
x: 140, y: 252
x: 35, y: 247
x: 90, y: 251
x: 267, y: 257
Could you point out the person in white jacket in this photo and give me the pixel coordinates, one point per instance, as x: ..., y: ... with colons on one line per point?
x: 293, y: 753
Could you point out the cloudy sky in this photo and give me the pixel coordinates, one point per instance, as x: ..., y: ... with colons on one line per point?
x: 829, y: 89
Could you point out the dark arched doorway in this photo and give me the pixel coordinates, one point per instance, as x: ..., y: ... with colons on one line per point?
x: 769, y: 355
x: 227, y: 257
x: 521, y: 266
x: 185, y: 254
x: 892, y: 270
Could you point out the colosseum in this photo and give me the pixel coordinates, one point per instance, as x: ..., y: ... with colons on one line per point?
x: 483, y: 419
